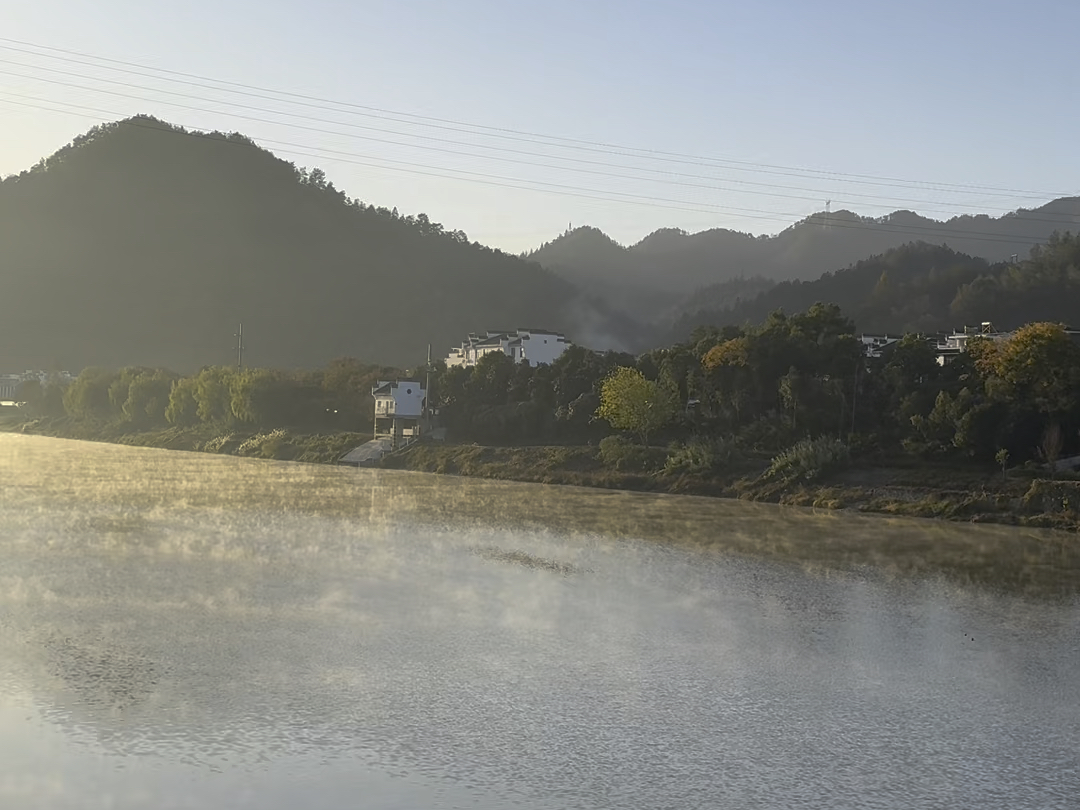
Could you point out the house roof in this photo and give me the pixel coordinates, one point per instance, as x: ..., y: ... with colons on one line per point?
x: 386, y: 388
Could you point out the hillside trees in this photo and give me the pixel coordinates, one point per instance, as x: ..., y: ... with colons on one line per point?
x: 163, y: 238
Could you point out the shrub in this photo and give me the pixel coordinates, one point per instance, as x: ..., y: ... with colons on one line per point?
x: 698, y: 455
x: 265, y: 445
x: 808, y: 459
x: 621, y: 454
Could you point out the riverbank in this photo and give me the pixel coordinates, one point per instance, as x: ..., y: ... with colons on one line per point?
x: 898, y: 485
x: 901, y: 486
x: 285, y: 445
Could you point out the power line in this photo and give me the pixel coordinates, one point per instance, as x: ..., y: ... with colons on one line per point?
x: 891, y: 204
x: 558, y: 189
x: 441, y: 149
x: 513, y: 134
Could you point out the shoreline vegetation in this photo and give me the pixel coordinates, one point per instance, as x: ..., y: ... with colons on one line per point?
x: 895, y: 485
x: 797, y: 410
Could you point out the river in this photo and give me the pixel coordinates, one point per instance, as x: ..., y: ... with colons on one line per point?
x: 182, y: 630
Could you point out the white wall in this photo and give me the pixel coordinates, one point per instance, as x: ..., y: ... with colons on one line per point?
x: 542, y: 347
x: 408, y: 398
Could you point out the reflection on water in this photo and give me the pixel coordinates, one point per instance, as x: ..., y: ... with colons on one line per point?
x: 182, y: 630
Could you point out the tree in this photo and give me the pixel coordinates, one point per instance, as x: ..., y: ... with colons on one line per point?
x: 183, y: 408
x: 629, y: 401
x: 88, y: 396
x: 1039, y: 366
x: 1002, y: 458
x: 1050, y: 447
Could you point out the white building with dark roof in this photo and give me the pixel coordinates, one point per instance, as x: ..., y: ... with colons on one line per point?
x: 533, y: 346
x: 400, y: 410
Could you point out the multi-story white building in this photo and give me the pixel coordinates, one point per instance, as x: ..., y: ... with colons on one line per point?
x: 534, y: 346
x: 949, y: 346
x: 400, y: 410
x: 8, y: 384
x: 874, y: 344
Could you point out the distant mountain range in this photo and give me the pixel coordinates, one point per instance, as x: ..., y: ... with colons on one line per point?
x: 143, y: 243
x: 669, y: 270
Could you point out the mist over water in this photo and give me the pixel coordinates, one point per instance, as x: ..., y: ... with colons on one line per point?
x: 187, y: 630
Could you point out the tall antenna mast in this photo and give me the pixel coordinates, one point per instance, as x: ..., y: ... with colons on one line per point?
x: 239, y: 348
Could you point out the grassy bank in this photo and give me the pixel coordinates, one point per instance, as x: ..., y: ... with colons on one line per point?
x: 283, y: 444
x: 897, y: 486
x: 901, y: 485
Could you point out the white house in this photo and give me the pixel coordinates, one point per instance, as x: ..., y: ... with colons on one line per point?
x: 400, y: 410
x: 534, y: 346
x: 8, y: 384
x: 873, y: 344
x: 949, y: 346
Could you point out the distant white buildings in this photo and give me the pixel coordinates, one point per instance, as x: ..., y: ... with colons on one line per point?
x: 534, y: 346
x: 400, y: 411
x: 9, y: 383
x: 873, y: 344
x: 952, y: 345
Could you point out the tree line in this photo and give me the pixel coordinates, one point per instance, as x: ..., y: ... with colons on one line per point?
x: 794, y: 377
x: 336, y: 397
x: 755, y: 390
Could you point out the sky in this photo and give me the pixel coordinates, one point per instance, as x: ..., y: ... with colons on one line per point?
x: 514, y: 120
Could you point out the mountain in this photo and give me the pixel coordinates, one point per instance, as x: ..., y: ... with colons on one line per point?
x: 669, y: 266
x: 926, y: 288
x: 144, y: 243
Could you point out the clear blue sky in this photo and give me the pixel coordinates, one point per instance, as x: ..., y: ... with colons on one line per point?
x: 962, y: 92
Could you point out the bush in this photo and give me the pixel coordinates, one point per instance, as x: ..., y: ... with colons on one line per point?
x: 698, y: 455
x: 809, y: 459
x: 264, y: 445
x: 621, y: 454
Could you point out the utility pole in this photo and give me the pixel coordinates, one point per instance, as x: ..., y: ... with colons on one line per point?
x: 854, y: 397
x: 239, y: 348
x: 427, y: 389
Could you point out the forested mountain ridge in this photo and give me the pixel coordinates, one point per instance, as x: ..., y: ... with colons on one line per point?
x: 927, y: 288
x: 144, y: 243
x: 669, y: 265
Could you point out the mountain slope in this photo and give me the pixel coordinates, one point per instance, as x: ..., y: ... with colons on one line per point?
x: 926, y: 288
x: 670, y: 265
x: 142, y: 243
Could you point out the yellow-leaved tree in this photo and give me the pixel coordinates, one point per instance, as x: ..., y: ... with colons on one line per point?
x: 629, y: 401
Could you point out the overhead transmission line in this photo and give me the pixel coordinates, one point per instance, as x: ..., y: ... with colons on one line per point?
x: 662, y: 179
x: 551, y: 188
x: 470, y: 128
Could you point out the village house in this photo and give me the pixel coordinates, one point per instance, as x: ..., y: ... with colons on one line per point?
x: 874, y: 344
x: 8, y: 384
x: 533, y: 346
x: 401, y: 411
x: 950, y: 346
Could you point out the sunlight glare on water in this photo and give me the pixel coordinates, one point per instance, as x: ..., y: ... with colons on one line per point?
x: 185, y: 630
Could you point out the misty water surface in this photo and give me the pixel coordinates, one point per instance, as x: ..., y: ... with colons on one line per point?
x: 185, y: 630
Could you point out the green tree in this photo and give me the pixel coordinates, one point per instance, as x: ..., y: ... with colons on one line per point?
x: 183, y: 408
x: 88, y: 396
x: 1038, y: 366
x: 629, y: 401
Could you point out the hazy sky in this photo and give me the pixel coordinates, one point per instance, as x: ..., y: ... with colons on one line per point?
x: 762, y: 110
